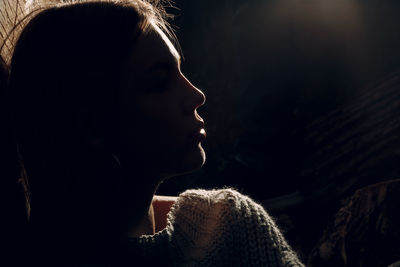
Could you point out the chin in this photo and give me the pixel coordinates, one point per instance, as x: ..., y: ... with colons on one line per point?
x: 194, y: 161
x: 199, y: 161
x: 191, y: 162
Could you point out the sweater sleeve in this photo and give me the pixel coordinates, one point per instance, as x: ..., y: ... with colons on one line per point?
x: 226, y: 228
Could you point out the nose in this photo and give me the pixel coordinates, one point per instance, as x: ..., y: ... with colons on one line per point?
x: 200, y: 97
x: 195, y: 97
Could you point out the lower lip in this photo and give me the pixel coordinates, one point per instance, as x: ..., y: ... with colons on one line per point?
x: 200, y: 136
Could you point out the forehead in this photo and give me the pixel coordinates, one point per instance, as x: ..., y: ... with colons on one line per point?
x: 153, y: 47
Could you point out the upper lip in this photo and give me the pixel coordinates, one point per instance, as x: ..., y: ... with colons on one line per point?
x: 199, y: 126
x: 201, y: 123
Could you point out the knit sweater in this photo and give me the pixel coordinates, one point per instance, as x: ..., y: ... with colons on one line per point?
x: 216, y: 228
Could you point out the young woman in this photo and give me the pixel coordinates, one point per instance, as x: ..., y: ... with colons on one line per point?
x: 102, y: 115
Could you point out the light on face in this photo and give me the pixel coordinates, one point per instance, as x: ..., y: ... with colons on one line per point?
x: 171, y: 47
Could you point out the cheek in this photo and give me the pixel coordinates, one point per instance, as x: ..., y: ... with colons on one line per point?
x: 162, y: 137
x: 162, y: 145
x: 161, y: 124
x: 168, y: 133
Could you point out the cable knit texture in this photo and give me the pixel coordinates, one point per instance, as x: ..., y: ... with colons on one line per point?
x: 217, y: 228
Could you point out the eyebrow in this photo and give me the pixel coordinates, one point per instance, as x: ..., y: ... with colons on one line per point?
x: 164, y: 64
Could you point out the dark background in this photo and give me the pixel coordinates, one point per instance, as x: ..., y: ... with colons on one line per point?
x: 302, y: 107
x: 302, y: 111
x: 271, y: 68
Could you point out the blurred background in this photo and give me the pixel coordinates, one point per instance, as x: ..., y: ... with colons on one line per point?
x: 303, y: 103
x: 270, y: 69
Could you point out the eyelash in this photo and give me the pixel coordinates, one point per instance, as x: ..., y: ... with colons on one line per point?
x: 159, y: 81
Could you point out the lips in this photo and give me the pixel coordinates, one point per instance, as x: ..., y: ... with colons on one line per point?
x: 203, y: 132
x: 199, y: 134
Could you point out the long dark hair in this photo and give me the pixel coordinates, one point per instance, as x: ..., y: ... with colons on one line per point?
x: 69, y: 59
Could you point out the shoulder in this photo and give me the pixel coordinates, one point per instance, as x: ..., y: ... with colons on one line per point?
x: 224, y: 198
x: 224, y: 227
x: 220, y: 204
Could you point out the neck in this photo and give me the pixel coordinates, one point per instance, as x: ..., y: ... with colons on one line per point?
x: 120, y: 213
x: 139, y: 211
x: 145, y: 226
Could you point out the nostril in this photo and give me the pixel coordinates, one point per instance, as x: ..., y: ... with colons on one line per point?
x: 193, y: 102
x: 202, y: 98
x: 196, y: 97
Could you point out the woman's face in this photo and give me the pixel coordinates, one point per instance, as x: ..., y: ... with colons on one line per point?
x: 163, y: 130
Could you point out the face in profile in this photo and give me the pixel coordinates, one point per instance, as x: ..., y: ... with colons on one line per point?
x: 162, y: 127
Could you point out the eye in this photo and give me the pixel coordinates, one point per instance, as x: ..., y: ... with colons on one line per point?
x: 158, y: 80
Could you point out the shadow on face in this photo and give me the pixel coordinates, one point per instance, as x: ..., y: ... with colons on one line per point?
x: 160, y: 109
